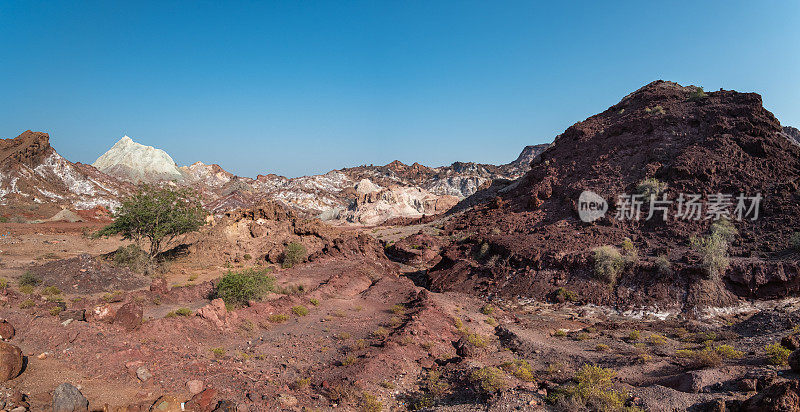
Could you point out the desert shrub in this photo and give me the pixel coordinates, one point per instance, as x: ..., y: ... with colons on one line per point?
x: 3, y: 219
x: 27, y: 289
x: 488, y: 380
x: 29, y: 279
x: 487, y: 309
x: 634, y: 335
x: 278, y: 318
x: 380, y: 333
x: 656, y: 339
x: 483, y: 250
x: 608, y: 263
x: 560, y: 333
x: 133, y: 257
x: 566, y: 294
x: 218, y: 352
x: 314, y: 301
x: 398, y: 309
x: 794, y: 241
x: 657, y: 109
x: 51, y: 291
x: 582, y: 336
x: 27, y: 303
x: 342, y: 336
x: 300, y: 310
x: 697, y: 94
x: 369, y: 403
x: 631, y: 254
x: 728, y: 352
x: 476, y: 340
x: 348, y: 360
x: 663, y: 266
x: 183, y: 312
x: 593, y: 390
x: 602, y: 347
x: 703, y: 358
x: 3, y: 283
x: 713, y: 248
x: 238, y: 288
x: 290, y: 289
x: 295, y: 253
x: 247, y: 256
x: 394, y: 322
x: 777, y: 354
x: 55, y: 310
x: 491, y: 321
x: 520, y: 368
x: 650, y: 187
x: 157, y: 214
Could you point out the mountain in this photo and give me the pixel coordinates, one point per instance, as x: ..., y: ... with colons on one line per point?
x: 530, y: 240
x: 134, y: 162
x: 36, y: 181
x: 792, y: 133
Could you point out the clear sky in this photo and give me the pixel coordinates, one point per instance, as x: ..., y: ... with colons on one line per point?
x: 303, y: 87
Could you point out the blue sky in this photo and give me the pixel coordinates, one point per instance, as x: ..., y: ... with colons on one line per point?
x: 303, y: 87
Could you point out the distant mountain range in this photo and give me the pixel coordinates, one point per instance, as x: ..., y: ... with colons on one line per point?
x: 34, y: 174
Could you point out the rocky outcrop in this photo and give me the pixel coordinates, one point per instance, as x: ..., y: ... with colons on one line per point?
x: 135, y: 163
x: 532, y: 237
x: 11, y: 361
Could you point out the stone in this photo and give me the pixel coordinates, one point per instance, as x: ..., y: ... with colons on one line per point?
x: 68, y: 398
x: 74, y: 314
x: 215, y: 312
x: 782, y: 396
x: 194, y: 386
x: 6, y: 330
x: 103, y: 313
x: 225, y: 406
x: 202, y: 402
x: 287, y: 400
x: 11, y: 361
x: 129, y: 316
x: 167, y: 403
x: 791, y: 342
x: 143, y: 373
x: 794, y: 360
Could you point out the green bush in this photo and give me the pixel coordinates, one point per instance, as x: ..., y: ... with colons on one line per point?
x: 295, y: 253
x: 593, y: 390
x: 29, y: 279
x: 650, y: 187
x: 488, y: 380
x: 51, y: 291
x: 713, y: 248
x: 663, y: 265
x: 238, y: 288
x: 520, y: 368
x: 133, y: 258
x: 608, y: 263
x: 566, y: 294
x: 183, y: 312
x: 777, y: 354
x: 157, y: 214
x: 300, y: 310
x: 697, y: 94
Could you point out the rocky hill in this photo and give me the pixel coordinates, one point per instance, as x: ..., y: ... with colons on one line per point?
x: 35, y: 181
x: 666, y: 138
x: 135, y: 162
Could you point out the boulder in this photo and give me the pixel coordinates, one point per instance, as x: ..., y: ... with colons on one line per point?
x: 215, y: 312
x: 74, y: 314
x: 11, y: 361
x: 143, y: 373
x: 202, y: 402
x: 159, y: 285
x: 68, y: 398
x: 6, y: 330
x: 194, y: 386
x: 167, y: 403
x: 794, y: 360
x: 783, y: 396
x: 129, y: 316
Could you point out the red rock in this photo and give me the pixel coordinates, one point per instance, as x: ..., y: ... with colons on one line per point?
x: 159, y: 285
x: 6, y: 330
x: 215, y: 312
x: 11, y: 361
x: 203, y: 401
x: 129, y: 316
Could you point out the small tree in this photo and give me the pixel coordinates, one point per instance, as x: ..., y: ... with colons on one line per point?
x: 158, y: 215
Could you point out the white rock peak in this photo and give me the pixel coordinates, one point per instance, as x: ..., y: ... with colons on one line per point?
x: 136, y: 162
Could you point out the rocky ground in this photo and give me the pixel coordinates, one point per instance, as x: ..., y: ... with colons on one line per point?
x: 358, y: 335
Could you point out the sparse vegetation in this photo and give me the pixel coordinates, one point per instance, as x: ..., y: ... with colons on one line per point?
x: 697, y: 94
x: 520, y: 368
x: 728, y: 352
x: 300, y: 310
x: 51, y: 291
x: 491, y: 321
x: 55, y: 310
x: 348, y: 360
x: 662, y: 265
x: 369, y: 403
x: 560, y: 333
x: 218, y: 352
x: 631, y: 254
x: 183, y: 312
x: 656, y: 339
x: 27, y: 289
x: 476, y: 340
x: 295, y: 253
x: 487, y: 309
x: 238, y: 288
x: 703, y: 358
x: 593, y: 390
x: 566, y: 294
x: 380, y: 333
x: 398, y: 309
x: 777, y: 354
x: 713, y: 249
x: 650, y: 187
x: 278, y: 318
x: 314, y: 301
x: 133, y: 258
x: 634, y: 335
x: 488, y: 380
x: 27, y: 304
x: 608, y: 263
x: 157, y: 214
x: 29, y: 279
x: 3, y: 283
x: 601, y: 347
